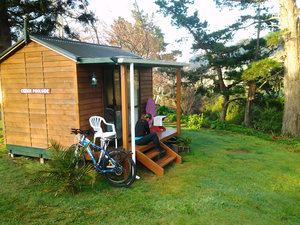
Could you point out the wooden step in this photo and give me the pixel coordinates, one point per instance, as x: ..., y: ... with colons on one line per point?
x: 165, y: 160
x: 149, y: 163
x: 152, y: 153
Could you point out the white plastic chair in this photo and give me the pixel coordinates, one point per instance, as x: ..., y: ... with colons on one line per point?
x: 105, y: 137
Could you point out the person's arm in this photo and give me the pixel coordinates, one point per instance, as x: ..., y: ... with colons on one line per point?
x: 146, y: 125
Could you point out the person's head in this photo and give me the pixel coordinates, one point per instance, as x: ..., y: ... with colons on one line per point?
x: 146, y: 116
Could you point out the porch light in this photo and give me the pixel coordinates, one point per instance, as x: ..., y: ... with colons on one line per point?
x: 94, y: 79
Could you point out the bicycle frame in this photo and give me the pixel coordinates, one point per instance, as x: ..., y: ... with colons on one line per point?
x: 103, y: 155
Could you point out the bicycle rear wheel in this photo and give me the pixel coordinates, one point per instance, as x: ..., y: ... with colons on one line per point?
x: 124, y: 169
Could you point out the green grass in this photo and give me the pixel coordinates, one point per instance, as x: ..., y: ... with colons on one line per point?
x: 227, y: 178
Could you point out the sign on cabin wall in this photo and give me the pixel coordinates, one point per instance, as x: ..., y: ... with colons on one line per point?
x: 35, y: 91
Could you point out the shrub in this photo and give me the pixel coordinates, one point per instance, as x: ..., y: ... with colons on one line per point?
x: 195, y: 121
x: 217, y: 124
x: 64, y: 171
x: 172, y: 117
x: 184, y: 118
x: 162, y: 110
x: 235, y: 113
x: 270, y: 120
x: 183, y: 141
x: 212, y: 107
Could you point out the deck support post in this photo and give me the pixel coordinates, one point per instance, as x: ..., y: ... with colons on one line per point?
x: 178, y: 85
x: 124, y: 103
x: 132, y: 119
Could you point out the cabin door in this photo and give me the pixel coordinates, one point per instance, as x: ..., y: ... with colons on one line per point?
x: 112, y: 97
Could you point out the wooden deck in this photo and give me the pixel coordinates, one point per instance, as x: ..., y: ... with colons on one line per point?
x: 163, y: 136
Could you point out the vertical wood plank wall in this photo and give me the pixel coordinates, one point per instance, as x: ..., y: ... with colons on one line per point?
x: 33, y: 120
x: 146, y: 88
x: 90, y: 99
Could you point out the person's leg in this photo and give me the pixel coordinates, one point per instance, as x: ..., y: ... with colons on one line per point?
x: 144, y: 140
x: 148, y: 138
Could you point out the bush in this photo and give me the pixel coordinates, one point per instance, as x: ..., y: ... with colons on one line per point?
x: 195, y: 121
x: 184, y: 118
x: 183, y: 141
x: 172, y: 117
x: 217, y: 124
x: 213, y: 107
x: 162, y: 110
x: 235, y: 113
x: 270, y: 120
x: 64, y: 171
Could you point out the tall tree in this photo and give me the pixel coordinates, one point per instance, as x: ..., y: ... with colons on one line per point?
x: 212, y: 43
x: 142, y: 37
x: 290, y: 27
x: 42, y: 17
x: 261, y: 19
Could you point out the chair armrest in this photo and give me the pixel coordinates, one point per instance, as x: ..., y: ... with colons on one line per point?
x: 110, y: 124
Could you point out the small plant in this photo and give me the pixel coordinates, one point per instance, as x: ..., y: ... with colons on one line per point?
x: 183, y: 141
x: 65, y: 170
x: 186, y: 141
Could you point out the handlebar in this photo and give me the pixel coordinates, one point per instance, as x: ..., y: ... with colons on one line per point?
x: 79, y: 131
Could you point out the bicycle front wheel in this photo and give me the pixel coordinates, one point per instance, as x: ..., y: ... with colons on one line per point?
x: 123, y: 167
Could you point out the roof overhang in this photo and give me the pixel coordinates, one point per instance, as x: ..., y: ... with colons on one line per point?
x: 34, y: 39
x: 151, y: 62
x: 6, y: 52
x: 128, y: 60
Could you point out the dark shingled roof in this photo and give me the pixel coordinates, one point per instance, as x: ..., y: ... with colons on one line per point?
x: 83, y: 49
x: 86, y: 53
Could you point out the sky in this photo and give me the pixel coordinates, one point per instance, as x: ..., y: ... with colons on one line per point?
x: 108, y: 10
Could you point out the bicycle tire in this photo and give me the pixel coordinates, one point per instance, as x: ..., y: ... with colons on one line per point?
x: 127, y: 173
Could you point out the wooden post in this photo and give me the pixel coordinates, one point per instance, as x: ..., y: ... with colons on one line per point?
x: 178, y: 76
x: 124, y: 103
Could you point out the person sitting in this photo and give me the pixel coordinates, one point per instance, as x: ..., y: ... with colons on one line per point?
x: 143, y: 135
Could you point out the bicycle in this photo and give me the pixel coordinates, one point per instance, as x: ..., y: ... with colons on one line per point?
x: 118, y: 168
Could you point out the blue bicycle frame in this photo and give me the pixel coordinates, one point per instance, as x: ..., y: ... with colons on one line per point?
x: 103, y: 154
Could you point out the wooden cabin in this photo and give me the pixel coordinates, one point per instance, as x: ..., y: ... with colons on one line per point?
x: 50, y: 85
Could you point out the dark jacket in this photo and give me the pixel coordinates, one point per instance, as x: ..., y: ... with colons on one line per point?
x: 141, y: 128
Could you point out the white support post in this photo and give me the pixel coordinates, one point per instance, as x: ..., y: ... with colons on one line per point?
x: 132, y: 112
x: 132, y: 124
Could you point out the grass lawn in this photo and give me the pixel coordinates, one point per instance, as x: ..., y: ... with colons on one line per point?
x: 227, y: 178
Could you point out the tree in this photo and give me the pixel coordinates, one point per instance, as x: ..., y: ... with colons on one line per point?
x: 142, y: 37
x: 262, y: 19
x: 213, y: 44
x: 290, y: 26
x: 42, y: 17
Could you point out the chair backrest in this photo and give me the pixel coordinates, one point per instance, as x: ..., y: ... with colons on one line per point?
x: 95, y: 122
x: 150, y: 108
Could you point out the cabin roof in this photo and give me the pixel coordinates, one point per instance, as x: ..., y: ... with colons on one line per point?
x: 88, y: 53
